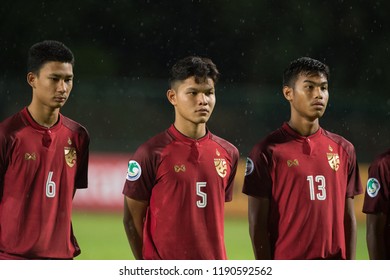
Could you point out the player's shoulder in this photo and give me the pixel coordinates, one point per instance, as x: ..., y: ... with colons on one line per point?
x: 225, y: 144
x: 156, y: 142
x: 339, y: 140
x: 73, y: 125
x: 277, y: 136
x: 384, y: 156
x: 381, y: 160
x: 12, y: 124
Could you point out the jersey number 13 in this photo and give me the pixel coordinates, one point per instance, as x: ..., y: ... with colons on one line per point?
x: 317, y: 187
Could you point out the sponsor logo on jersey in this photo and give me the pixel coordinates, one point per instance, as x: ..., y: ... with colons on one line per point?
x: 70, y: 156
x: 292, y: 162
x: 133, y: 170
x: 373, y: 187
x: 28, y: 156
x: 179, y: 168
x: 221, y: 166
x: 249, y: 166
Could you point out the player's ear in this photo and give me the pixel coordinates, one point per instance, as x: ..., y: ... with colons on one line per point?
x: 288, y: 92
x: 171, y: 95
x: 31, y: 78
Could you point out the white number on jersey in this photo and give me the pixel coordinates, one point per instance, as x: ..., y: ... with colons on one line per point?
x: 50, y: 186
x: 202, y: 202
x: 320, y: 192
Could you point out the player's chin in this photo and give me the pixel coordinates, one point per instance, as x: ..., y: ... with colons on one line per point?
x: 318, y: 114
x: 58, y: 105
x: 202, y: 119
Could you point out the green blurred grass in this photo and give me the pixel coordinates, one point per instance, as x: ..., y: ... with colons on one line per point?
x: 101, y: 236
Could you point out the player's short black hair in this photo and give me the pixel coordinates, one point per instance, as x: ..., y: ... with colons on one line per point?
x: 199, y: 67
x: 305, y: 66
x: 47, y: 51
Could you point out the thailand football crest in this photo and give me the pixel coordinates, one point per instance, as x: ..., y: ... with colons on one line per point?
x: 70, y: 156
x: 221, y: 166
x: 333, y: 159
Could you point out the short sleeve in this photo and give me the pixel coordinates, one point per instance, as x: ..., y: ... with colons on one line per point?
x: 258, y: 181
x: 141, y: 173
x: 376, y: 198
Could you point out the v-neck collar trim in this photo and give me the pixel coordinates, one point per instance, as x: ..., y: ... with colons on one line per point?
x: 188, y: 140
x: 37, y: 126
x: 297, y: 136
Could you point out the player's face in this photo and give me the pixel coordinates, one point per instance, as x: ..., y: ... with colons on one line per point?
x: 309, y: 96
x: 194, y: 102
x: 52, y: 86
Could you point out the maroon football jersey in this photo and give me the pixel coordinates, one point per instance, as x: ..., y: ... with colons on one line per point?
x: 307, y: 180
x: 186, y: 182
x: 377, y: 195
x: 39, y: 170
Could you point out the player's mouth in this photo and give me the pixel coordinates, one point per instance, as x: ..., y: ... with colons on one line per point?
x: 60, y: 99
x: 318, y: 104
x: 202, y: 111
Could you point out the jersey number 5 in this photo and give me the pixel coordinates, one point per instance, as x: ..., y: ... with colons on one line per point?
x: 202, y: 202
x: 50, y: 186
x: 320, y: 194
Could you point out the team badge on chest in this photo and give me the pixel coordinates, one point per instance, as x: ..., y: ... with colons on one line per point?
x: 70, y: 156
x: 333, y: 159
x: 220, y: 165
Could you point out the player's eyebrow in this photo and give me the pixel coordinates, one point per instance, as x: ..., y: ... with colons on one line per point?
x: 315, y: 84
x: 201, y: 88
x: 55, y: 75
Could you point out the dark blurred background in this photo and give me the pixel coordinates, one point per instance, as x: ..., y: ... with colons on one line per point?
x: 124, y: 50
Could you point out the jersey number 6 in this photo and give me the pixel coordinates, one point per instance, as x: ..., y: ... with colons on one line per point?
x: 50, y: 186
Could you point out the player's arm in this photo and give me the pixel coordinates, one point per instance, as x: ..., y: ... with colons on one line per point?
x: 350, y: 229
x: 258, y: 209
x: 375, y: 225
x: 133, y: 220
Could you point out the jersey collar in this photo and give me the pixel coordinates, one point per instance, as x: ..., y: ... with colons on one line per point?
x: 297, y: 136
x: 26, y: 114
x: 181, y: 137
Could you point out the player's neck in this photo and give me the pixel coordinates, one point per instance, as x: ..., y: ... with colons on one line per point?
x: 304, y: 127
x: 191, y: 130
x: 43, y: 115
